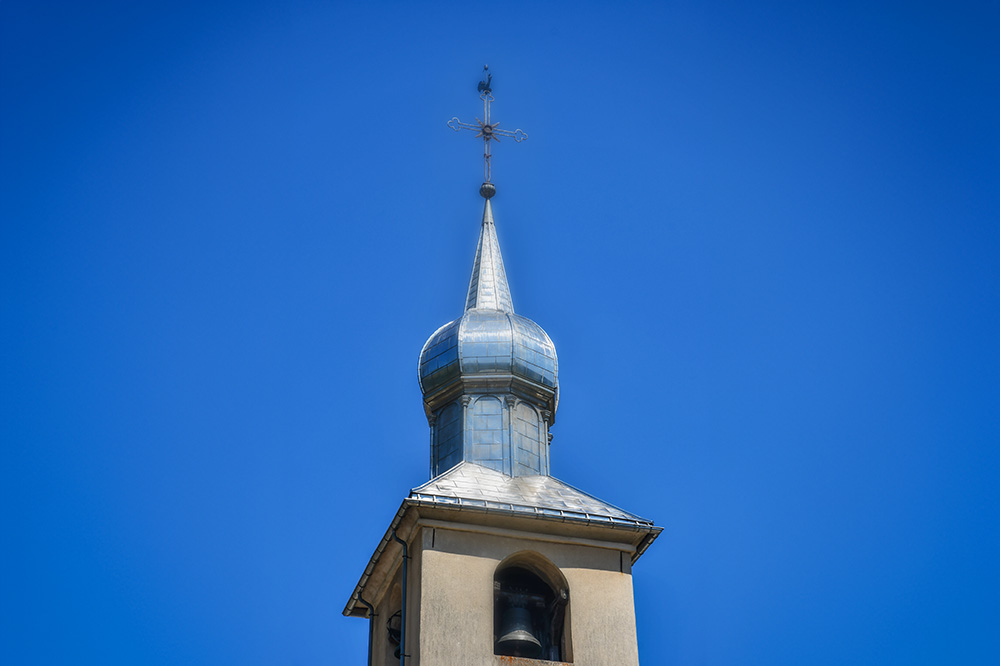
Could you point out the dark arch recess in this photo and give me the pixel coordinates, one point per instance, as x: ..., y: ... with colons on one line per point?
x: 531, y: 593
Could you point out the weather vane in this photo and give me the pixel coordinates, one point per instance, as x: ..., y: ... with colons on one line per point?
x: 486, y: 129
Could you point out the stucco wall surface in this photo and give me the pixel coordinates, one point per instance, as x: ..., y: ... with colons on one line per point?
x: 455, y: 625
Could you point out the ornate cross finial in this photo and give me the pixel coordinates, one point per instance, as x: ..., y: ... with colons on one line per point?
x: 486, y: 129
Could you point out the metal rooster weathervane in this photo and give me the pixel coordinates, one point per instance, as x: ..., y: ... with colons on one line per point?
x: 486, y: 129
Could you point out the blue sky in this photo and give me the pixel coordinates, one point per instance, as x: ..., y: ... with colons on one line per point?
x: 763, y: 236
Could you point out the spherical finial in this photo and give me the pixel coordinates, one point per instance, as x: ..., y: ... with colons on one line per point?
x: 487, y: 190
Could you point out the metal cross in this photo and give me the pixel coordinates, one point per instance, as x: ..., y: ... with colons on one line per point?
x: 484, y: 128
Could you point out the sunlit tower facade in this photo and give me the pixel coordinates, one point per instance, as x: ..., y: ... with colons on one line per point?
x: 494, y: 560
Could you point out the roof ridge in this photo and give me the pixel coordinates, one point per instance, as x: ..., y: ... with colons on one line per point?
x: 596, y: 498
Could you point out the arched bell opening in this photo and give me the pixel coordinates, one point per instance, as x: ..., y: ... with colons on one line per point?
x: 530, y: 609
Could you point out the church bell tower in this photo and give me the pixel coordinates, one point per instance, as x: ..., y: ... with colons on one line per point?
x: 493, y: 560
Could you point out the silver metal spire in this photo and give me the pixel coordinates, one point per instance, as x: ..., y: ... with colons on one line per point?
x: 490, y: 378
x: 488, y: 288
x: 487, y: 130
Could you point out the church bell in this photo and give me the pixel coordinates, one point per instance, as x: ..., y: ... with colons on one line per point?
x: 516, y: 637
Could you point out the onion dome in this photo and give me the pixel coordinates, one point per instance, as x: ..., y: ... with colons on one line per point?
x: 489, y: 339
x: 488, y: 342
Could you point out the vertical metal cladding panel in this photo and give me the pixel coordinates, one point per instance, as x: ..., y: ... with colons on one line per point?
x: 527, y: 441
x: 470, y: 301
x: 486, y: 342
x: 449, y: 434
x: 439, y: 358
x: 485, y: 434
x: 533, y: 351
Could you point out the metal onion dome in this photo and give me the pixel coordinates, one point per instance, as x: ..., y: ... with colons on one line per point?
x: 489, y: 338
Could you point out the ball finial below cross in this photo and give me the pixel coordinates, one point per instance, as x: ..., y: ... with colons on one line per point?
x: 487, y: 190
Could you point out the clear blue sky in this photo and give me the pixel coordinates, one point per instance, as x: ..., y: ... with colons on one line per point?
x: 763, y: 236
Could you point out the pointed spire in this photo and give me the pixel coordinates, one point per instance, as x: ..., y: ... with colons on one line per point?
x: 488, y: 287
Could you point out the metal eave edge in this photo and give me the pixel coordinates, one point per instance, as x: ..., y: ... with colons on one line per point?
x: 497, y: 508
